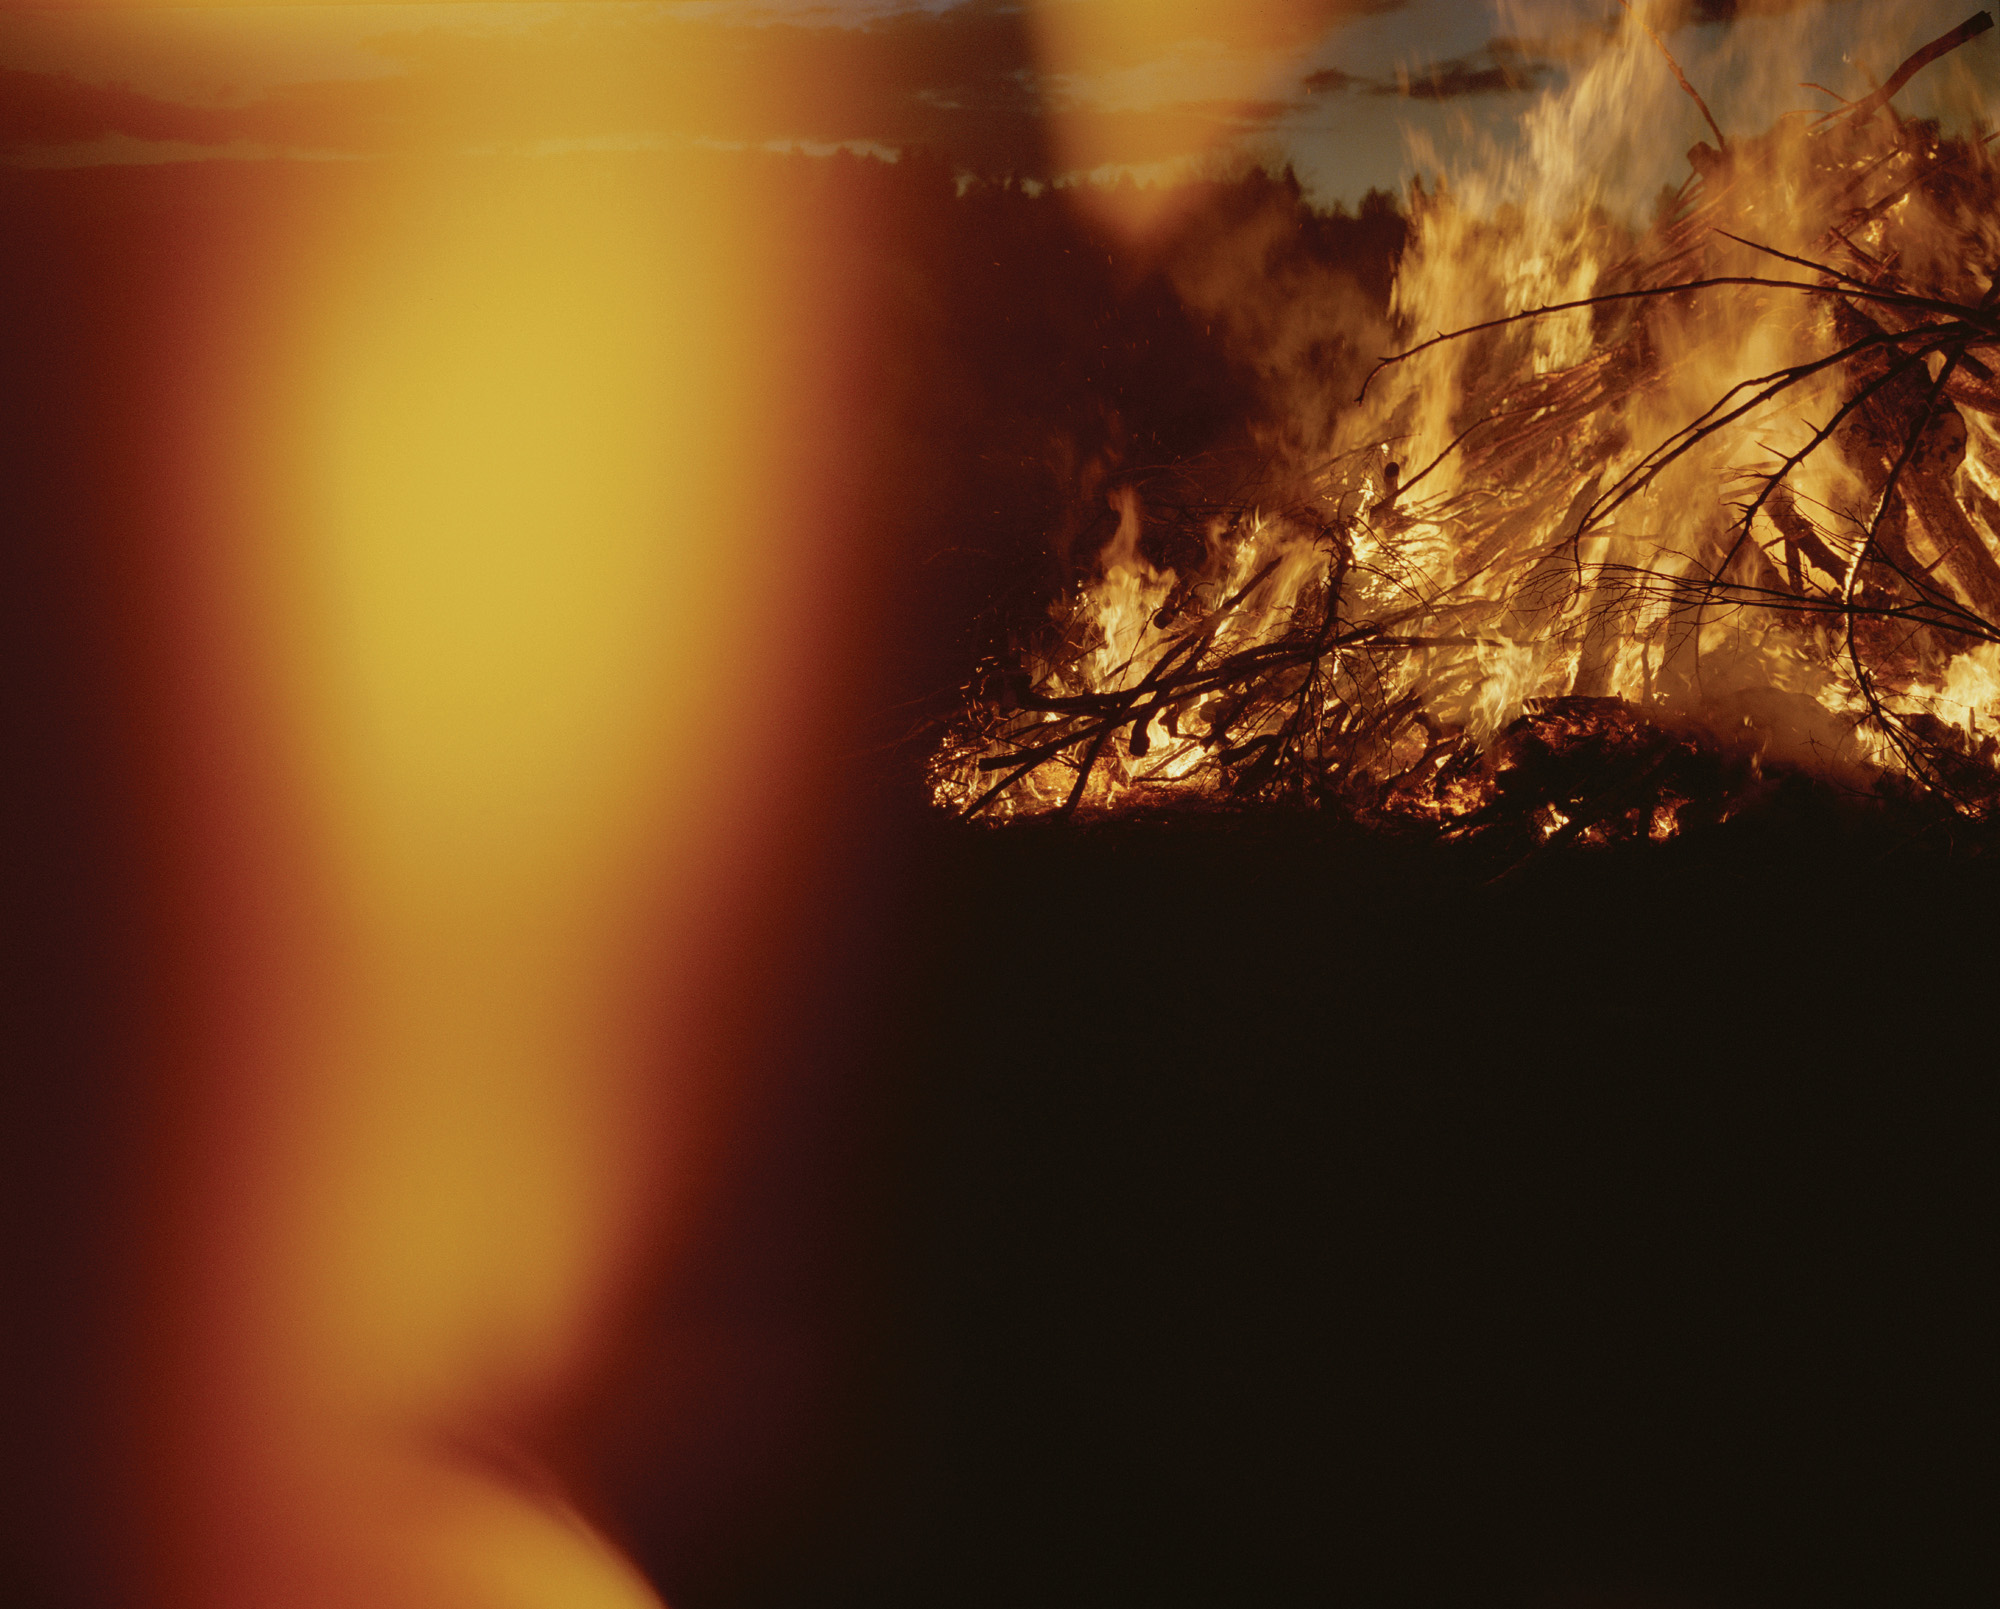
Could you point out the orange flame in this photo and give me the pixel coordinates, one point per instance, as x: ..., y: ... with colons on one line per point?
x: 1501, y: 510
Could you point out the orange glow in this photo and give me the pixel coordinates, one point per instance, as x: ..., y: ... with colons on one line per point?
x: 465, y: 736
x: 1121, y: 109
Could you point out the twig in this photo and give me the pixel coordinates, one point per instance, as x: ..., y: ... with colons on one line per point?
x: 1901, y: 299
x: 1971, y: 28
x: 1720, y: 140
x: 1644, y: 474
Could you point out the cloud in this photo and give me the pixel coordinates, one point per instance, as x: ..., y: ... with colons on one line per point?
x: 1492, y: 71
x: 960, y: 81
x: 55, y: 109
x: 1331, y: 80
x: 1501, y: 66
x: 1102, y: 34
x: 963, y: 80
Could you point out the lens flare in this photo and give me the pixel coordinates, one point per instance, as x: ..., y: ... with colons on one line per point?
x: 463, y: 745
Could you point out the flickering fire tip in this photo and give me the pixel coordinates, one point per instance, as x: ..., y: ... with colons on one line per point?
x: 1797, y: 579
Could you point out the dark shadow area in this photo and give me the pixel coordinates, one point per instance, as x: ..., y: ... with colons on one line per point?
x: 1261, y: 1213
x: 1294, y: 1218
x: 85, y: 381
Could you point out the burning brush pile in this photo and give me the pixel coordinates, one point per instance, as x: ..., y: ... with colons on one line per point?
x: 1667, y: 517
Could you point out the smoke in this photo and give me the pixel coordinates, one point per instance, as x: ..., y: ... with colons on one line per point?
x: 1297, y: 297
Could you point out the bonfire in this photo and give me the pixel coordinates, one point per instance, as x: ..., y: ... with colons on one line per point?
x: 1639, y: 524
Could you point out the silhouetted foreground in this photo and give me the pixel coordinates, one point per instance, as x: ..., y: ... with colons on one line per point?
x: 1264, y: 1214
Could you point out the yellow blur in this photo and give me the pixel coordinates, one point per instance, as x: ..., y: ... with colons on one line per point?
x: 502, y: 496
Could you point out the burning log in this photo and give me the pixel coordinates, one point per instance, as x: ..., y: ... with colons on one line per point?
x: 1396, y: 642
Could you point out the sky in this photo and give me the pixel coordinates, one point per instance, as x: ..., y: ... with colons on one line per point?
x: 1355, y: 94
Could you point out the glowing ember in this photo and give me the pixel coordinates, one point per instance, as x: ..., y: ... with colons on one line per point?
x: 1672, y: 509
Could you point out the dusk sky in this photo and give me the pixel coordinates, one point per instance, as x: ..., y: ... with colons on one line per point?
x: 1338, y: 89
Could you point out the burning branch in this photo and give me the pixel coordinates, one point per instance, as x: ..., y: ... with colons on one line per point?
x: 1943, y: 45
x: 1563, y: 577
x: 1721, y: 143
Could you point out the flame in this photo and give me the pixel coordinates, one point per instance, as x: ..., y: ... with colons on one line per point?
x: 1523, y: 513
